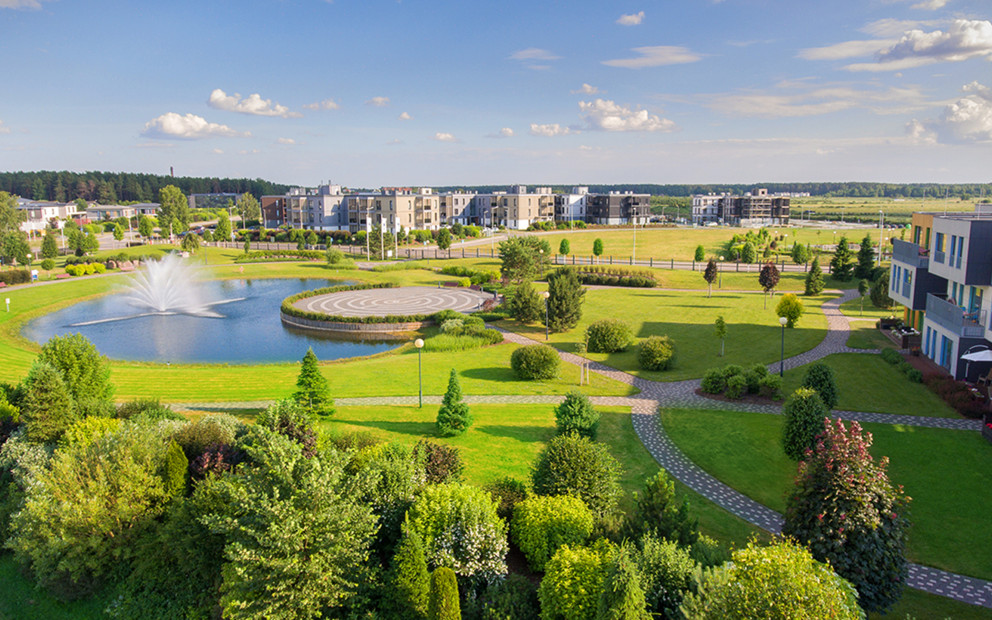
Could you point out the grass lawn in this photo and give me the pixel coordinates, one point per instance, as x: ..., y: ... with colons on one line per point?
x: 864, y: 335
x: 852, y: 308
x: 947, y: 473
x: 753, y: 332
x: 866, y: 382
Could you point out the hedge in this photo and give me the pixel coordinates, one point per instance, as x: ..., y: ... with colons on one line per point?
x: 15, y: 276
x: 281, y: 255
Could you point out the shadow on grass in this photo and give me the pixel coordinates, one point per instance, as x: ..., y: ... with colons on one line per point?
x: 490, y: 374
x: 529, y: 434
x: 418, y: 429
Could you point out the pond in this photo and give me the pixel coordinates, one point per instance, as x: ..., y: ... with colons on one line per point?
x: 248, y: 331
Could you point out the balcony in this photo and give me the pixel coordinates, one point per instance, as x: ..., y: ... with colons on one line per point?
x: 938, y: 256
x: 954, y: 318
x: 910, y: 254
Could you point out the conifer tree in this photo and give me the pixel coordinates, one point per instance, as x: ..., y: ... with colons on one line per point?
x: 565, y: 300
x: 814, y: 278
x: 409, y: 580
x: 454, y: 417
x: 312, y: 390
x: 804, y: 412
x: 49, y: 249
x: 176, y: 473
x: 443, y: 601
x: 700, y: 254
x: 622, y: 597
x: 866, y: 259
x: 842, y: 264
x: 47, y: 408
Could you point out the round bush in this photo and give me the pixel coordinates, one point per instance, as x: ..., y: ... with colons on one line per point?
x: 914, y: 375
x: 736, y: 386
x: 608, y: 336
x: 577, y: 466
x: 543, y: 524
x: 770, y: 386
x: 577, y: 415
x: 48, y: 264
x: 535, y: 361
x: 713, y: 381
x: 657, y: 353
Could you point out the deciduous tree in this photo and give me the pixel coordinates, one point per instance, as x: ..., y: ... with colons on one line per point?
x: 791, y: 307
x: 768, y: 278
x: 173, y: 211
x: 710, y: 274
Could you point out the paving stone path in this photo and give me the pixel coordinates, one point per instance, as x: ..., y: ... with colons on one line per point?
x: 682, y: 394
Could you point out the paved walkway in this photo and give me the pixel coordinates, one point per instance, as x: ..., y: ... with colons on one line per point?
x: 682, y: 394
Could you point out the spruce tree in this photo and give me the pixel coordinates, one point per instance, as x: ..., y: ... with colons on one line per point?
x: 565, y: 300
x: 49, y: 248
x: 842, y: 264
x: 820, y: 378
x: 176, y: 470
x: 47, y: 408
x: 866, y: 259
x: 710, y: 275
x: 312, y: 390
x: 814, y: 278
x: 408, y: 579
x: 622, y: 597
x: 700, y: 254
x: 443, y: 600
x: 576, y: 414
x: 804, y: 413
x: 454, y: 417
x: 526, y: 304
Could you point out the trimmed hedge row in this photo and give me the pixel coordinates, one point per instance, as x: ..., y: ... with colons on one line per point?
x: 896, y: 359
x: 281, y: 255
x: 605, y: 280
x: 86, y: 269
x: 735, y: 382
x: 15, y: 276
x: 475, y: 277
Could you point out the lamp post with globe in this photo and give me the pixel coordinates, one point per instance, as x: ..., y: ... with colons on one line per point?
x: 419, y: 343
x: 547, y: 328
x: 781, y: 367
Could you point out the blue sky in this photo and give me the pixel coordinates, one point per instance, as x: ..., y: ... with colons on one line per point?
x: 380, y: 92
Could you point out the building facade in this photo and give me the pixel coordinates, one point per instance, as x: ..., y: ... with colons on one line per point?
x: 753, y: 209
x: 616, y: 208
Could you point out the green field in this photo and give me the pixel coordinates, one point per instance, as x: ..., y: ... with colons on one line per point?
x: 896, y: 210
x: 947, y: 473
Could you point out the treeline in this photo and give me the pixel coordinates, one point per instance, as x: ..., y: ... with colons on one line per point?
x: 114, y: 187
x: 846, y: 189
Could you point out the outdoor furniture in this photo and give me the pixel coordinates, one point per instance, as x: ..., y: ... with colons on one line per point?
x: 986, y: 380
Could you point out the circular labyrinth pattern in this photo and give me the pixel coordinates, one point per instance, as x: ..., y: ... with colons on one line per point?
x: 394, y: 301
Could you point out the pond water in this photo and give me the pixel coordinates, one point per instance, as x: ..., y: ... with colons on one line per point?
x: 248, y: 332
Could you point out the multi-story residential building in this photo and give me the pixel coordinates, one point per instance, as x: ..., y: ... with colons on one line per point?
x: 275, y: 210
x: 43, y: 214
x: 572, y: 206
x: 944, y: 278
x: 517, y: 209
x: 618, y: 208
x: 757, y: 208
x: 461, y: 207
x: 394, y: 208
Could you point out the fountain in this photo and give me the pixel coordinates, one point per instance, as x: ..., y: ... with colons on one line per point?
x: 166, y: 287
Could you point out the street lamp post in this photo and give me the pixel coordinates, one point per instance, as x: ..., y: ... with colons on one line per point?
x: 419, y: 343
x: 547, y: 328
x: 881, y: 222
x: 781, y: 366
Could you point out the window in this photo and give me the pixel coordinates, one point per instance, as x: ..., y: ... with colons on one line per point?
x: 960, y: 252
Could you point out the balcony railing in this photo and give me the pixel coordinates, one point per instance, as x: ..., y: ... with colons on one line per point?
x: 938, y: 256
x: 954, y: 318
x: 907, y: 289
x: 910, y: 254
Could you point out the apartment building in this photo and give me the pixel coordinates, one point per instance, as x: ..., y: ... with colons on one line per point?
x: 618, y: 208
x: 517, y: 208
x: 394, y: 208
x: 944, y: 278
x: 571, y: 206
x: 753, y: 209
x: 706, y: 208
x: 461, y: 207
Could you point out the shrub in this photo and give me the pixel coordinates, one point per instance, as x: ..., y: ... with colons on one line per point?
x: 147, y: 409
x: 820, y: 377
x: 16, y: 276
x: 659, y: 512
x: 770, y: 386
x: 713, y: 381
x: 198, y: 435
x: 572, y: 582
x: 535, y: 361
x: 408, y: 580
x: 460, y: 530
x: 622, y: 595
x: 891, y: 356
x: 804, y: 413
x: 576, y: 414
x: 736, y: 387
x: 543, y: 524
x: 507, y: 492
x: 47, y: 408
x: 731, y: 370
x: 608, y: 336
x: 48, y: 264
x: 656, y: 353
x: 573, y: 465
x: 441, y: 463
x: 290, y: 419
x: 754, y: 375
x: 85, y: 371
x: 914, y: 375
x: 708, y: 552
x: 666, y: 575
x: 513, y: 598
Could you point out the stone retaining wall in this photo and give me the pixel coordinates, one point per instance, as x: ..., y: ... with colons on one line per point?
x: 352, y: 328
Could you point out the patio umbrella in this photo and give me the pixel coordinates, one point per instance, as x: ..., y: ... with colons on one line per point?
x: 984, y: 355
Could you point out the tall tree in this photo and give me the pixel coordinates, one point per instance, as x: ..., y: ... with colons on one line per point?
x: 710, y: 274
x: 523, y: 258
x: 223, y: 230
x: 248, y: 208
x: 845, y: 510
x: 453, y: 417
x: 866, y: 259
x: 10, y: 216
x: 814, y: 278
x: 312, y: 391
x: 49, y: 247
x: 173, y: 211
x: 842, y: 264
x: 565, y: 300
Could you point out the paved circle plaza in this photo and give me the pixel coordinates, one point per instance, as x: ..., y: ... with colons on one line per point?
x: 395, y: 301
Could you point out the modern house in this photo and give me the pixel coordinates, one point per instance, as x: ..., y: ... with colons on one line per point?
x: 944, y: 278
x: 517, y: 208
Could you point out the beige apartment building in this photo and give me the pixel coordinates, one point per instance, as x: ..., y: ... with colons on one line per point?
x: 393, y: 208
x: 517, y: 209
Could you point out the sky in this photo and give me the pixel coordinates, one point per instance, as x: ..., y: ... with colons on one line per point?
x: 369, y: 93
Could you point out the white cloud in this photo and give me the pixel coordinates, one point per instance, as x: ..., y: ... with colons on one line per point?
x: 889, y: 27
x: 326, y: 104
x: 924, y: 5
x: 963, y: 39
x: 394, y: 142
x: 656, y: 56
x: 249, y: 152
x: 533, y: 53
x: 286, y: 141
x: 967, y: 120
x: 378, y: 102
x: 631, y: 20
x: 919, y: 133
x: 217, y: 151
x: 505, y: 132
x: 444, y: 137
x: 20, y: 4
x: 550, y: 130
x: 795, y: 99
x: 586, y: 90
x: 846, y: 49
x: 252, y: 104
x: 404, y: 116
x: 609, y: 116
x: 187, y: 127
x: 4, y: 129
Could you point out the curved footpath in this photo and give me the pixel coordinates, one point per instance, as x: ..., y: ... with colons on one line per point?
x: 682, y: 394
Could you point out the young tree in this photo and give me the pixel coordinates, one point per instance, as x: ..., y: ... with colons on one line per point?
x: 454, y: 417
x: 820, y: 378
x: 523, y: 258
x: 47, y: 408
x: 91, y: 243
x: 408, y: 579
x: 749, y: 253
x: 145, y: 227
x: 799, y: 253
x: 700, y: 254
x: 791, y: 307
x: 526, y: 304
x: 845, y: 510
x: 804, y: 412
x: 49, y: 247
x: 223, y: 230
x: 173, y: 211
x: 710, y: 274
x: 312, y: 239
x: 622, y: 597
x: 880, y: 292
x: 565, y: 300
x: 444, y: 239
x: 768, y: 278
x: 576, y: 414
x: 190, y: 243
x: 842, y: 264
x: 118, y: 233
x: 248, y: 208
x: 443, y: 598
x: 565, y: 248
x: 864, y: 287
x: 597, y: 248
x: 721, y: 331
x: 866, y: 259
x: 312, y: 391
x: 659, y: 512
x: 814, y: 279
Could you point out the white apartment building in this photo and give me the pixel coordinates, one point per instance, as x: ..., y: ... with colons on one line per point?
x: 572, y: 206
x: 706, y: 208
